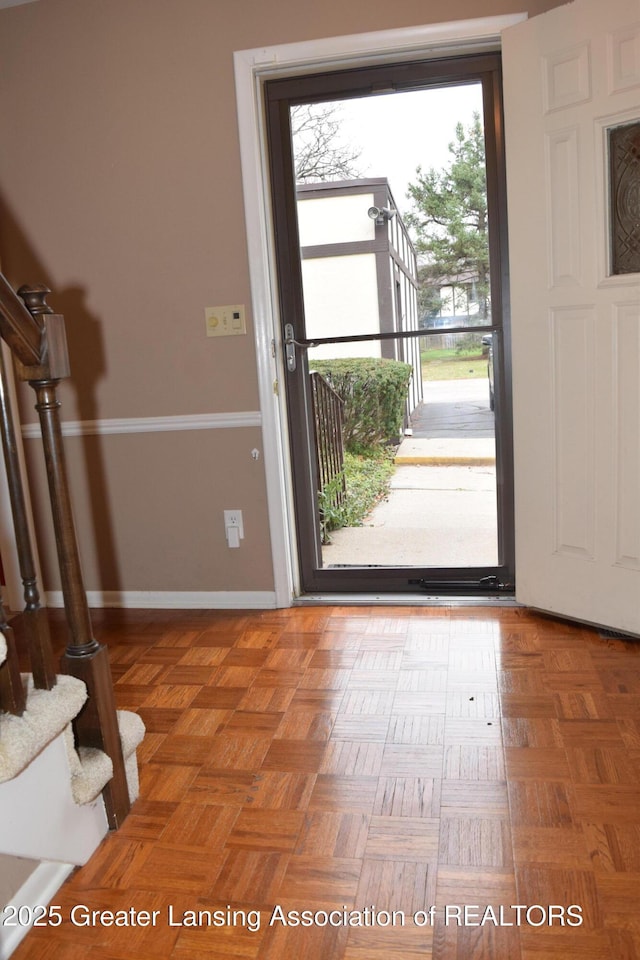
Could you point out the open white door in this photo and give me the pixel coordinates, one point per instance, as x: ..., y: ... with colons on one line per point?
x: 570, y: 76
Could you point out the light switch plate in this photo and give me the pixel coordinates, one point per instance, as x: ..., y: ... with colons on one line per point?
x: 228, y: 321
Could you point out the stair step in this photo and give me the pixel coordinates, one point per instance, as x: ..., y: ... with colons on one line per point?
x: 46, y: 715
x: 91, y: 769
x: 132, y: 731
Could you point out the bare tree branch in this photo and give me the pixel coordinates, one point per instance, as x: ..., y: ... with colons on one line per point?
x: 319, y: 152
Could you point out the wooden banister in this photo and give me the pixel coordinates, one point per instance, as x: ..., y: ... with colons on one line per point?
x: 18, y: 327
x: 85, y: 658
x: 37, y: 339
x: 12, y: 694
x: 35, y: 618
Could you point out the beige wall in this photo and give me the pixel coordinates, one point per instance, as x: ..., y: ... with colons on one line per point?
x: 120, y: 187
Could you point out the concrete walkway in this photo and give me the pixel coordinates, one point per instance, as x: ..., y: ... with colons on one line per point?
x: 442, y: 507
x: 433, y: 516
x: 452, y: 426
x: 454, y: 408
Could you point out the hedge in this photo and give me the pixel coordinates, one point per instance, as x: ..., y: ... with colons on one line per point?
x: 374, y: 392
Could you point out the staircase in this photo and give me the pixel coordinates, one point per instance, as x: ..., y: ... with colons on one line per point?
x: 68, y: 768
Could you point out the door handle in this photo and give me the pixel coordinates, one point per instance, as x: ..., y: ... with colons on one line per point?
x: 290, y: 347
x: 290, y: 344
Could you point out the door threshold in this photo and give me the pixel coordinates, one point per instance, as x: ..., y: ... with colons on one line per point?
x: 405, y: 600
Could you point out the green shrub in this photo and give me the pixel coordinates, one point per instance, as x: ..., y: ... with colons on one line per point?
x: 367, y: 479
x: 469, y: 343
x: 374, y: 392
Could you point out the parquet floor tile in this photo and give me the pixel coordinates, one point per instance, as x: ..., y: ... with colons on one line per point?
x: 198, y: 723
x: 148, y: 820
x: 472, y: 762
x: 335, y: 833
x: 293, y: 941
x: 416, y: 729
x: 297, y: 756
x: 352, y: 758
x: 408, y: 797
x: 466, y: 779
x: 251, y: 876
x: 357, y: 727
x: 258, y: 829
x: 475, y: 842
x: 472, y: 798
x: 423, y: 677
x: 306, y: 725
x: 218, y: 698
x: 182, y: 749
x: 408, y: 837
x: 221, y: 787
x: 321, y: 879
x: 354, y: 794
x: 252, y: 722
x: 368, y: 699
x: 404, y: 885
x: 282, y: 791
x: 200, y: 825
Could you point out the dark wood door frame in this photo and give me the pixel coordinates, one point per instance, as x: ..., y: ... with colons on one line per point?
x: 280, y: 95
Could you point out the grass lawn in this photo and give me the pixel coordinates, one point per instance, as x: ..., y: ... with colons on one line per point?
x: 449, y: 365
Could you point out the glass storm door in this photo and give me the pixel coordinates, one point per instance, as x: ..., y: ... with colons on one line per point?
x: 397, y: 389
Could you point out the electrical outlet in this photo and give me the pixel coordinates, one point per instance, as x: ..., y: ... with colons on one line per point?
x: 233, y: 527
x: 226, y: 321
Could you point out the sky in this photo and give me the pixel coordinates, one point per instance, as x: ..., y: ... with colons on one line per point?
x: 400, y: 131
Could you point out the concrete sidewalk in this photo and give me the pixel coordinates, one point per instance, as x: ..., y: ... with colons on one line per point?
x: 453, y: 426
x: 454, y: 409
x: 442, y: 505
x: 433, y: 516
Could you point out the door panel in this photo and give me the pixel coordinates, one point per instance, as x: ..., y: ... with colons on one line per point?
x: 569, y: 76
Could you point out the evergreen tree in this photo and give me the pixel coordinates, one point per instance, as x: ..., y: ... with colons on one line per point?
x: 449, y: 220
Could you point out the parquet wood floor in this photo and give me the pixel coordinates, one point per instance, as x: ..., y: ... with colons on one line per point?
x: 370, y: 761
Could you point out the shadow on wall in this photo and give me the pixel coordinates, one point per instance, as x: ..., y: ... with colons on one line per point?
x: 21, y: 264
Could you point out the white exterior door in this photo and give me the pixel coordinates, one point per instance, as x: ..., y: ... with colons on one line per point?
x: 571, y: 75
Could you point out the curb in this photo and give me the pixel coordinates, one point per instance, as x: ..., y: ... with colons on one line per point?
x: 445, y: 461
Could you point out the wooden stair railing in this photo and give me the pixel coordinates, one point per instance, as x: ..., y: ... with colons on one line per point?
x: 36, y: 337
x: 34, y: 616
x: 12, y: 694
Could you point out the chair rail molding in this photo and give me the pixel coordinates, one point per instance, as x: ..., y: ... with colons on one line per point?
x: 123, y: 425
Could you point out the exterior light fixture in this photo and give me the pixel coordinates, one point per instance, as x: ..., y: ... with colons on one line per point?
x: 380, y: 214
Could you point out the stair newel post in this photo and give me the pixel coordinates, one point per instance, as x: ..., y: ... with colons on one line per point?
x: 12, y: 694
x: 35, y: 618
x: 85, y: 658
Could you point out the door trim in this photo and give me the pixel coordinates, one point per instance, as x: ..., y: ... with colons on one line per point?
x: 252, y: 69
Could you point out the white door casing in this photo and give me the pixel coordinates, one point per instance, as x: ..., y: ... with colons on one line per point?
x: 569, y: 76
x: 252, y: 69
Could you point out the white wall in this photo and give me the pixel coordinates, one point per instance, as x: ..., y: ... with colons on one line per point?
x: 335, y: 219
x: 341, y: 297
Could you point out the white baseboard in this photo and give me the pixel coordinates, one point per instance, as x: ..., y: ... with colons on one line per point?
x: 37, y: 890
x: 175, y: 600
